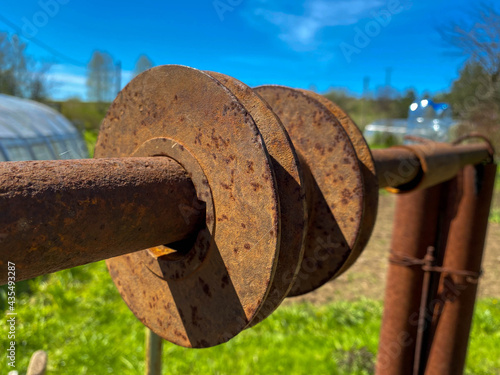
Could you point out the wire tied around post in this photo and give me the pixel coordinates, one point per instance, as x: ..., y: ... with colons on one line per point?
x: 426, y: 264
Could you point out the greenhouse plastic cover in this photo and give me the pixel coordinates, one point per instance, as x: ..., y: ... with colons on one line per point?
x: 33, y: 131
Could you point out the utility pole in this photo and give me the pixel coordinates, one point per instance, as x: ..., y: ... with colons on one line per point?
x: 388, y: 77
x: 364, y: 97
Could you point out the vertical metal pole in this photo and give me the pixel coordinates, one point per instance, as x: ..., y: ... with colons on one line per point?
x: 462, y: 259
x: 154, y: 345
x: 414, y: 231
x: 450, y: 195
x: 422, y: 318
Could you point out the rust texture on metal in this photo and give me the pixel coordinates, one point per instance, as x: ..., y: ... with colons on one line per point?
x: 464, y: 251
x: 368, y: 172
x: 62, y: 214
x: 431, y: 264
x: 334, y: 185
x: 396, y: 166
x: 473, y: 135
x: 291, y: 192
x: 423, y: 321
x: 217, y: 298
x: 409, y: 167
x: 190, y: 254
x: 415, y: 229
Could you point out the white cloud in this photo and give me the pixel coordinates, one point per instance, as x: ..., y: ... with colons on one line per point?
x: 67, y: 78
x: 69, y: 81
x: 300, y: 30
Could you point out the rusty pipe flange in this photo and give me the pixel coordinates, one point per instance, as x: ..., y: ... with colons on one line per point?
x: 184, y: 257
x: 290, y: 191
x: 334, y: 183
x: 217, y: 298
x: 368, y: 172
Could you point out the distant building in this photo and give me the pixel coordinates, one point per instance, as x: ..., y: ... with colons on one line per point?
x: 386, y: 132
x: 426, y: 119
x: 33, y: 131
x: 430, y: 120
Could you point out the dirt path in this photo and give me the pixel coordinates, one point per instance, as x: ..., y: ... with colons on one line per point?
x: 367, y: 277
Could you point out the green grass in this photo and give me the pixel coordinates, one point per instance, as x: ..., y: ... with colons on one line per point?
x: 497, y: 179
x: 495, y: 215
x: 90, y: 137
x: 79, y: 318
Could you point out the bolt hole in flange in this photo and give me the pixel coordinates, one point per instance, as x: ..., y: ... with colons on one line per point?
x: 179, y: 259
x: 177, y: 250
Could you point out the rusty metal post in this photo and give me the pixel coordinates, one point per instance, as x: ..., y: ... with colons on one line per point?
x: 461, y: 266
x: 431, y: 263
x: 415, y: 227
x: 61, y: 214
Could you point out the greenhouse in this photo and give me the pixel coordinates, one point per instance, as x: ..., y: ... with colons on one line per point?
x: 33, y: 131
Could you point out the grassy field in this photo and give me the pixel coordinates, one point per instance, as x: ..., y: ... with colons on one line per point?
x: 78, y: 317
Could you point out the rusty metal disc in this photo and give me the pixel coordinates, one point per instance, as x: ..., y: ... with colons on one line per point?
x: 368, y: 173
x: 290, y: 191
x: 334, y: 183
x: 209, y: 290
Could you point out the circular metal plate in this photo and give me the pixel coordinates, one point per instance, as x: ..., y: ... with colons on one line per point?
x: 217, y: 298
x: 335, y: 189
x: 290, y: 190
x: 368, y: 172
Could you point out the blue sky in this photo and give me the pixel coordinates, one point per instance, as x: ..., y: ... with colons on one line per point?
x: 315, y: 43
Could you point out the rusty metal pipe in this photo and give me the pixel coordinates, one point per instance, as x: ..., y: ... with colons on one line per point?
x: 395, y: 166
x: 434, y: 258
x: 415, y: 229
x: 61, y: 214
x: 405, y: 168
x: 462, y: 260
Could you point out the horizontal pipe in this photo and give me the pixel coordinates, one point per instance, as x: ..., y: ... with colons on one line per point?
x: 61, y: 214
x: 405, y: 168
x: 395, y: 166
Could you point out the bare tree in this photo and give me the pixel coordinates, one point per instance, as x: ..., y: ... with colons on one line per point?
x: 14, y: 76
x: 38, y: 87
x: 475, y: 95
x: 20, y: 75
x: 477, y: 37
x: 7, y: 84
x: 143, y: 63
x: 101, y: 77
